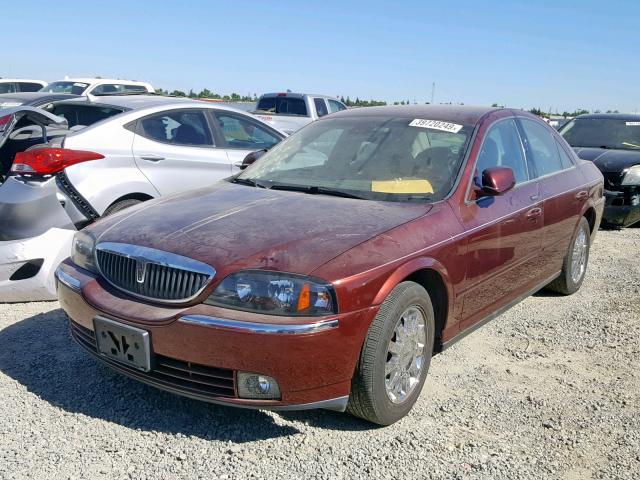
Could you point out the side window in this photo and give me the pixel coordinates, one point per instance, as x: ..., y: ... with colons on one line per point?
x: 106, y: 89
x: 133, y: 88
x: 7, y: 88
x: 502, y: 148
x: 179, y: 127
x: 564, y: 156
x: 29, y: 87
x: 335, y: 106
x: 244, y: 133
x: 321, y: 106
x: 541, y: 148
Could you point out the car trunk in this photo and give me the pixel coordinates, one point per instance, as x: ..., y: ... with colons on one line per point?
x: 24, y: 127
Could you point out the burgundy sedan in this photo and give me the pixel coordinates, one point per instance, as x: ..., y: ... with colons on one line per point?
x: 328, y: 273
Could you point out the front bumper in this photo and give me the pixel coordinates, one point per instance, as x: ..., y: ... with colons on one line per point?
x: 618, y: 212
x: 27, y: 266
x: 312, y: 362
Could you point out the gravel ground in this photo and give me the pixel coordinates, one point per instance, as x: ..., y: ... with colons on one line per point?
x: 550, y: 389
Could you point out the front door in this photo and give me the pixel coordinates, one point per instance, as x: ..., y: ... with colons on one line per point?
x: 504, y: 231
x: 175, y: 150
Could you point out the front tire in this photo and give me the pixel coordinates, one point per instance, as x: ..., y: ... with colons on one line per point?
x: 120, y: 205
x: 574, y: 266
x: 395, y: 356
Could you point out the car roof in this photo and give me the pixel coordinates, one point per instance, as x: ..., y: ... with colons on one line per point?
x: 611, y: 116
x: 100, y: 80
x: 7, y: 80
x: 28, y: 97
x: 296, y: 95
x: 134, y: 101
x: 463, y: 114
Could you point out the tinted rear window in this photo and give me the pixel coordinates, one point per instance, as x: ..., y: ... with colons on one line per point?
x: 283, y: 105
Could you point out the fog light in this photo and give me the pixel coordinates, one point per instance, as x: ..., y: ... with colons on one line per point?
x: 254, y: 385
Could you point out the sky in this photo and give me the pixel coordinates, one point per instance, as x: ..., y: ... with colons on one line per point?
x: 563, y: 55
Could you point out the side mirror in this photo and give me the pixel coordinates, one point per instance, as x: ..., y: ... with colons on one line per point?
x: 250, y: 158
x: 497, y: 180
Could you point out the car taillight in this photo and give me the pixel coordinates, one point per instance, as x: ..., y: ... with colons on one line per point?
x: 46, y: 161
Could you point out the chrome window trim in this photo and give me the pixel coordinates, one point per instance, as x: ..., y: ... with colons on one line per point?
x: 159, y: 257
x: 260, y: 328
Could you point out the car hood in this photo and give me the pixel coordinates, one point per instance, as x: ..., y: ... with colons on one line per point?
x: 609, y: 160
x: 233, y: 227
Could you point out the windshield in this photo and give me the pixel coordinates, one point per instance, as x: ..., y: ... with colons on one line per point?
x: 283, y: 105
x: 374, y: 158
x: 75, y: 88
x: 603, y: 133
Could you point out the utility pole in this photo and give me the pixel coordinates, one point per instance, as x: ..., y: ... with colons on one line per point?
x: 433, y: 91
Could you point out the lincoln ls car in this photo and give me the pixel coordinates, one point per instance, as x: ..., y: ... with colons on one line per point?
x: 330, y: 271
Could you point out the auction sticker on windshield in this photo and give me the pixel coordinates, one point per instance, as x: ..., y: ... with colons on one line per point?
x: 436, y: 125
x: 633, y: 124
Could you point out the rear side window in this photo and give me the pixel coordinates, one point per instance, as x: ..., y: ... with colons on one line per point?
x: 107, y: 89
x: 83, y: 115
x: 29, y: 87
x: 283, y: 105
x: 240, y: 132
x: 134, y: 88
x: 335, y: 106
x: 321, y: 107
x: 541, y: 148
x: 7, y: 88
x: 564, y: 156
x: 502, y: 148
x: 178, y: 127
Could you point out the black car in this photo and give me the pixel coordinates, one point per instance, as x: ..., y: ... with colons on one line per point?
x: 612, y: 142
x: 32, y: 99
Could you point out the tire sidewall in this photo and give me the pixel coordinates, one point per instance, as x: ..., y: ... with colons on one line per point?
x: 415, y: 295
x: 575, y: 286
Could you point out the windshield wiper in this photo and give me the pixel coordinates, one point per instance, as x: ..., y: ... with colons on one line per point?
x: 248, y: 181
x: 316, y: 191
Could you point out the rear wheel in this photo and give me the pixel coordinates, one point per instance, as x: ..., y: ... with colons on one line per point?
x: 120, y: 205
x: 575, y: 262
x: 395, y: 357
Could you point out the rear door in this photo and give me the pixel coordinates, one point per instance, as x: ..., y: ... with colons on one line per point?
x: 176, y: 150
x: 504, y: 232
x: 561, y: 186
x: 240, y: 134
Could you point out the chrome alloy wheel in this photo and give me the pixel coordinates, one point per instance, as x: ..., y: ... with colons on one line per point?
x: 405, y: 355
x: 579, y: 256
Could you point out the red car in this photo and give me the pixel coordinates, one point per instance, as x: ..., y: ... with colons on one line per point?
x: 328, y: 273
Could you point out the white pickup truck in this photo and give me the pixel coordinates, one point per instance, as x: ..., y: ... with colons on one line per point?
x: 289, y: 112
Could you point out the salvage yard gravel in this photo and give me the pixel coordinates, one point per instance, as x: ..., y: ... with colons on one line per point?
x: 548, y: 390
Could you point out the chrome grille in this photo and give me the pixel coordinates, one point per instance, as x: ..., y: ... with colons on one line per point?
x: 152, y: 274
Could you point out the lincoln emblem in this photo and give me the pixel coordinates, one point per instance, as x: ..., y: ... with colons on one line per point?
x: 141, y: 268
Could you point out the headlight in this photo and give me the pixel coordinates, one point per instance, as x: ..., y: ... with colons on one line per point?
x: 82, y: 251
x: 632, y: 177
x: 274, y: 293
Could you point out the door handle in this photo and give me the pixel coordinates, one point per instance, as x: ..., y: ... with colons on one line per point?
x: 534, y: 213
x: 152, y: 158
x: 582, y: 195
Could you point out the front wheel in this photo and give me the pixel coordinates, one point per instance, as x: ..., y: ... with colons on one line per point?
x: 395, y: 357
x: 575, y: 262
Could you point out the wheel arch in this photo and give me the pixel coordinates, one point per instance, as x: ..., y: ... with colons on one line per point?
x: 430, y: 274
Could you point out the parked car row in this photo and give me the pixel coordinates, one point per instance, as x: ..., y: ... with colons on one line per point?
x: 317, y: 270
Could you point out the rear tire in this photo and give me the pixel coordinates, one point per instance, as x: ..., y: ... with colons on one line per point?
x: 574, y: 266
x: 395, y: 357
x: 120, y: 205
